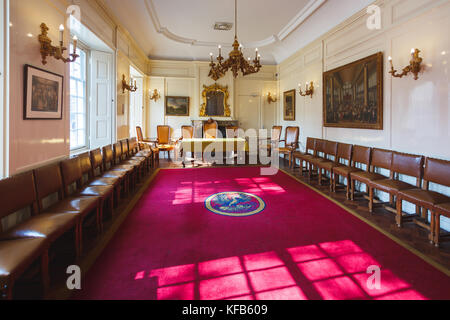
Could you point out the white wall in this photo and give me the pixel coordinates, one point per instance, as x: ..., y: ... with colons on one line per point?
x: 416, y: 113
x: 177, y: 78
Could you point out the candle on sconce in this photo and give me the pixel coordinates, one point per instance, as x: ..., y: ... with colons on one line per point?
x: 75, y: 42
x: 211, y: 55
x: 256, y: 53
x: 220, y: 50
x: 61, y: 34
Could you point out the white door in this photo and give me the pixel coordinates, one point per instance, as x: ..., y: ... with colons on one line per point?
x: 269, y: 115
x: 137, y: 107
x: 249, y: 114
x: 101, y: 100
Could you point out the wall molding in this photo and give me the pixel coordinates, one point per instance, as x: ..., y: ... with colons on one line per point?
x: 293, y: 24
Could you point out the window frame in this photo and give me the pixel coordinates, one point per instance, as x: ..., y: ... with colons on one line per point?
x: 86, y: 146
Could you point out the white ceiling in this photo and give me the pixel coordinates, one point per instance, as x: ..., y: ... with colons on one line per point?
x: 183, y: 29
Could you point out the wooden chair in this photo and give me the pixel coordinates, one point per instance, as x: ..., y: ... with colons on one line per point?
x: 380, y: 159
x: 135, y: 152
x: 99, y: 178
x: 436, y: 171
x: 442, y: 209
x: 187, y: 132
x: 210, y: 129
x: 328, y: 162
x: 305, y: 156
x: 140, y: 162
x: 90, y: 186
x: 274, y: 141
x: 404, y: 164
x: 72, y: 174
x: 132, y: 169
x: 164, y: 141
x: 290, y: 143
x: 111, y: 169
x: 48, y: 182
x: 18, y: 253
x: 358, y: 155
x: 147, y: 144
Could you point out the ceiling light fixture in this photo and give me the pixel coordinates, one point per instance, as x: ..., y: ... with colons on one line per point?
x: 236, y: 60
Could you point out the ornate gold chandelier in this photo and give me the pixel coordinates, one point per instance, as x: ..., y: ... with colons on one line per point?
x: 236, y: 60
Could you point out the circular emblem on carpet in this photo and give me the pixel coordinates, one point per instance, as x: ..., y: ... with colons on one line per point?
x: 235, y: 204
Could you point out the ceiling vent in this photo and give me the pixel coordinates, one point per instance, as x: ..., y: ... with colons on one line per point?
x: 223, y: 26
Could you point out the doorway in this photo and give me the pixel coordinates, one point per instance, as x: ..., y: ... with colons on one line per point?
x: 136, y: 102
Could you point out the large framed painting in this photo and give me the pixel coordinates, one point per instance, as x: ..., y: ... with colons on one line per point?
x: 353, y: 95
x: 215, y: 101
x: 43, y: 94
x: 289, y: 105
x: 177, y: 106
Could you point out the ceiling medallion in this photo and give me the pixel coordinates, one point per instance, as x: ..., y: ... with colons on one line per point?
x: 236, y: 60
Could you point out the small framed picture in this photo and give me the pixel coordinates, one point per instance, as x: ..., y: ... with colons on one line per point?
x: 177, y: 106
x: 43, y: 94
x: 289, y: 105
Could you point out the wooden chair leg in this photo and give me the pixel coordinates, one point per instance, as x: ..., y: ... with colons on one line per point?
x: 398, y: 217
x: 437, y: 229
x: 370, y: 199
x: 320, y: 176
x: 352, y: 182
x: 432, y: 234
x: 347, y: 194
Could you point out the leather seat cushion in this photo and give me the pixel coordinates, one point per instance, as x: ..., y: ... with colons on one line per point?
x: 143, y: 154
x: 114, y: 174
x: 344, y: 170
x: 366, y: 177
x: 110, y: 181
x: 140, y: 159
x: 444, y: 208
x: 46, y: 225
x: 317, y: 160
x: 423, y: 198
x: 304, y: 156
x: 101, y: 191
x: 75, y: 204
x: 14, y: 254
x: 126, y: 168
x: 391, y: 186
x: 327, y: 165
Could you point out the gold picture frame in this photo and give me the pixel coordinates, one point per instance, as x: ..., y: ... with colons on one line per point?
x: 353, y: 95
x: 215, y: 101
x: 289, y: 105
x: 176, y: 106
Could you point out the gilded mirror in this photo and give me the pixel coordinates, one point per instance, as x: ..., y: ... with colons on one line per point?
x: 215, y: 101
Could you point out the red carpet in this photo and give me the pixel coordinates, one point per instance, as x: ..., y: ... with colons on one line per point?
x: 301, y: 246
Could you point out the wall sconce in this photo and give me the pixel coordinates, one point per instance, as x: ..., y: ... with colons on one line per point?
x: 57, y: 52
x: 130, y: 87
x: 415, y: 66
x: 156, y: 96
x: 309, y: 91
x: 270, y: 98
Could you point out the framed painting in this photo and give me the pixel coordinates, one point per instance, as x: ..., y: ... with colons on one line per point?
x: 43, y: 97
x: 177, y: 106
x: 353, y: 95
x: 289, y: 106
